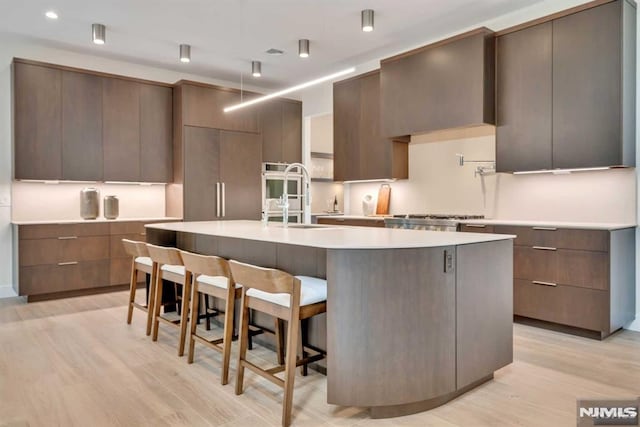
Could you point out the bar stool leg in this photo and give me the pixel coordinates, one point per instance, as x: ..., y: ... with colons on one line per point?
x: 184, y: 317
x: 279, y: 341
x: 195, y: 302
x: 228, y: 332
x: 244, y: 341
x: 151, y: 298
x: 290, y: 368
x: 132, y: 291
x: 302, y: 339
x: 157, y: 304
x: 206, y: 312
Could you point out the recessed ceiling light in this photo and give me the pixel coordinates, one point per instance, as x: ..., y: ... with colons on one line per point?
x: 274, y: 51
x: 303, y: 48
x: 367, y: 20
x: 256, y: 68
x: 51, y: 14
x: 99, y: 33
x: 185, y: 53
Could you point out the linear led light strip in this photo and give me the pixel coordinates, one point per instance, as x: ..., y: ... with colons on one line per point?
x: 561, y: 171
x: 289, y: 90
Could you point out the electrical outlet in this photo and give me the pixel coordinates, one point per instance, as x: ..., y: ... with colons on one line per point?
x: 5, y: 201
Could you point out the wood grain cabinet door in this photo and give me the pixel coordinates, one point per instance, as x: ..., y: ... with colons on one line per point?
x: 156, y: 149
x: 524, y: 82
x: 346, y: 130
x: 271, y: 124
x: 121, y: 129
x: 240, y: 174
x: 82, y: 153
x: 291, y: 131
x: 587, y: 74
x: 38, y: 122
x: 375, y: 151
x: 201, y: 173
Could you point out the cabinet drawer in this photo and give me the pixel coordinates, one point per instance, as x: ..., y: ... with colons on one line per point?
x: 566, y: 238
x: 44, y: 279
x: 476, y: 228
x: 585, y: 269
x: 534, y: 264
x: 53, y: 251
x: 44, y: 231
x: 116, y: 248
x: 566, y: 305
x: 132, y: 227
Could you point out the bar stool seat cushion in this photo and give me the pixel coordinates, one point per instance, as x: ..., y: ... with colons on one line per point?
x: 177, y: 269
x: 144, y: 260
x: 313, y: 290
x: 218, y: 281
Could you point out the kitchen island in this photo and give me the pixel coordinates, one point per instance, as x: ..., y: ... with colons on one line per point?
x: 414, y: 318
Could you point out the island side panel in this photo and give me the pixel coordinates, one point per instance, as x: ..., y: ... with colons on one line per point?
x: 390, y: 326
x: 484, y: 309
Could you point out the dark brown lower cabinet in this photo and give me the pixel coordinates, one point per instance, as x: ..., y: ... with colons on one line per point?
x: 59, y: 259
x: 581, y: 278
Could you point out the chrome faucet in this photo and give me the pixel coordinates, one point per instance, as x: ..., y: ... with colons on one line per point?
x: 284, y: 200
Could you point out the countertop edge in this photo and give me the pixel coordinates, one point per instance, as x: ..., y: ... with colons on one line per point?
x: 94, y: 221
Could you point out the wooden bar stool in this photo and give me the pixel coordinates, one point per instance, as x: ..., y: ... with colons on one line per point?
x: 140, y: 262
x: 211, y: 276
x: 168, y: 266
x: 286, y: 297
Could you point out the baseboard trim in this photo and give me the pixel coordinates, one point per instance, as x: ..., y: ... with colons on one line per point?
x: 7, y: 291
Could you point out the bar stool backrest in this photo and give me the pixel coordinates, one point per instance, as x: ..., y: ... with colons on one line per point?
x: 164, y: 255
x: 264, y: 279
x: 135, y: 248
x: 207, y: 265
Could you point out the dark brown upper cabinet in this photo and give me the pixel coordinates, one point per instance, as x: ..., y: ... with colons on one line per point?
x: 281, y: 124
x: 203, y: 105
x: 566, y: 90
x: 594, y: 87
x: 524, y: 99
x: 82, y: 154
x: 156, y: 133
x: 37, y: 95
x: 121, y: 130
x: 360, y: 151
x: 444, y: 85
x: 80, y: 125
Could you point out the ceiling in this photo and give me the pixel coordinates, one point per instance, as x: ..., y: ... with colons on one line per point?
x: 227, y: 34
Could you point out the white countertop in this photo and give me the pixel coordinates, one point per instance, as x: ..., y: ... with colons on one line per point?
x: 331, y: 236
x: 94, y: 221
x: 558, y: 224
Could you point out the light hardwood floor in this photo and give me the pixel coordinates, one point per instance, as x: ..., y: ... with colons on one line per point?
x: 75, y: 362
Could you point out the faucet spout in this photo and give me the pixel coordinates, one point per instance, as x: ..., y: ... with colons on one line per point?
x: 285, y: 193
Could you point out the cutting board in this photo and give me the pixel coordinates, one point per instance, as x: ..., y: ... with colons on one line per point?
x: 384, y: 197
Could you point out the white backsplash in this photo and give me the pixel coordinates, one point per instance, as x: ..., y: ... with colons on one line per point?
x: 34, y: 201
x: 437, y: 184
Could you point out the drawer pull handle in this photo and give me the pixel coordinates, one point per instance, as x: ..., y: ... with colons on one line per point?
x: 537, y: 282
x: 546, y: 228
x: 475, y: 225
x: 143, y: 234
x: 544, y: 248
x: 67, y: 263
x: 67, y: 237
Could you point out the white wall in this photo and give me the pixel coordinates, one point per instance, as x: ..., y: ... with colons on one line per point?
x: 42, y: 202
x: 437, y: 184
x: 11, y: 46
